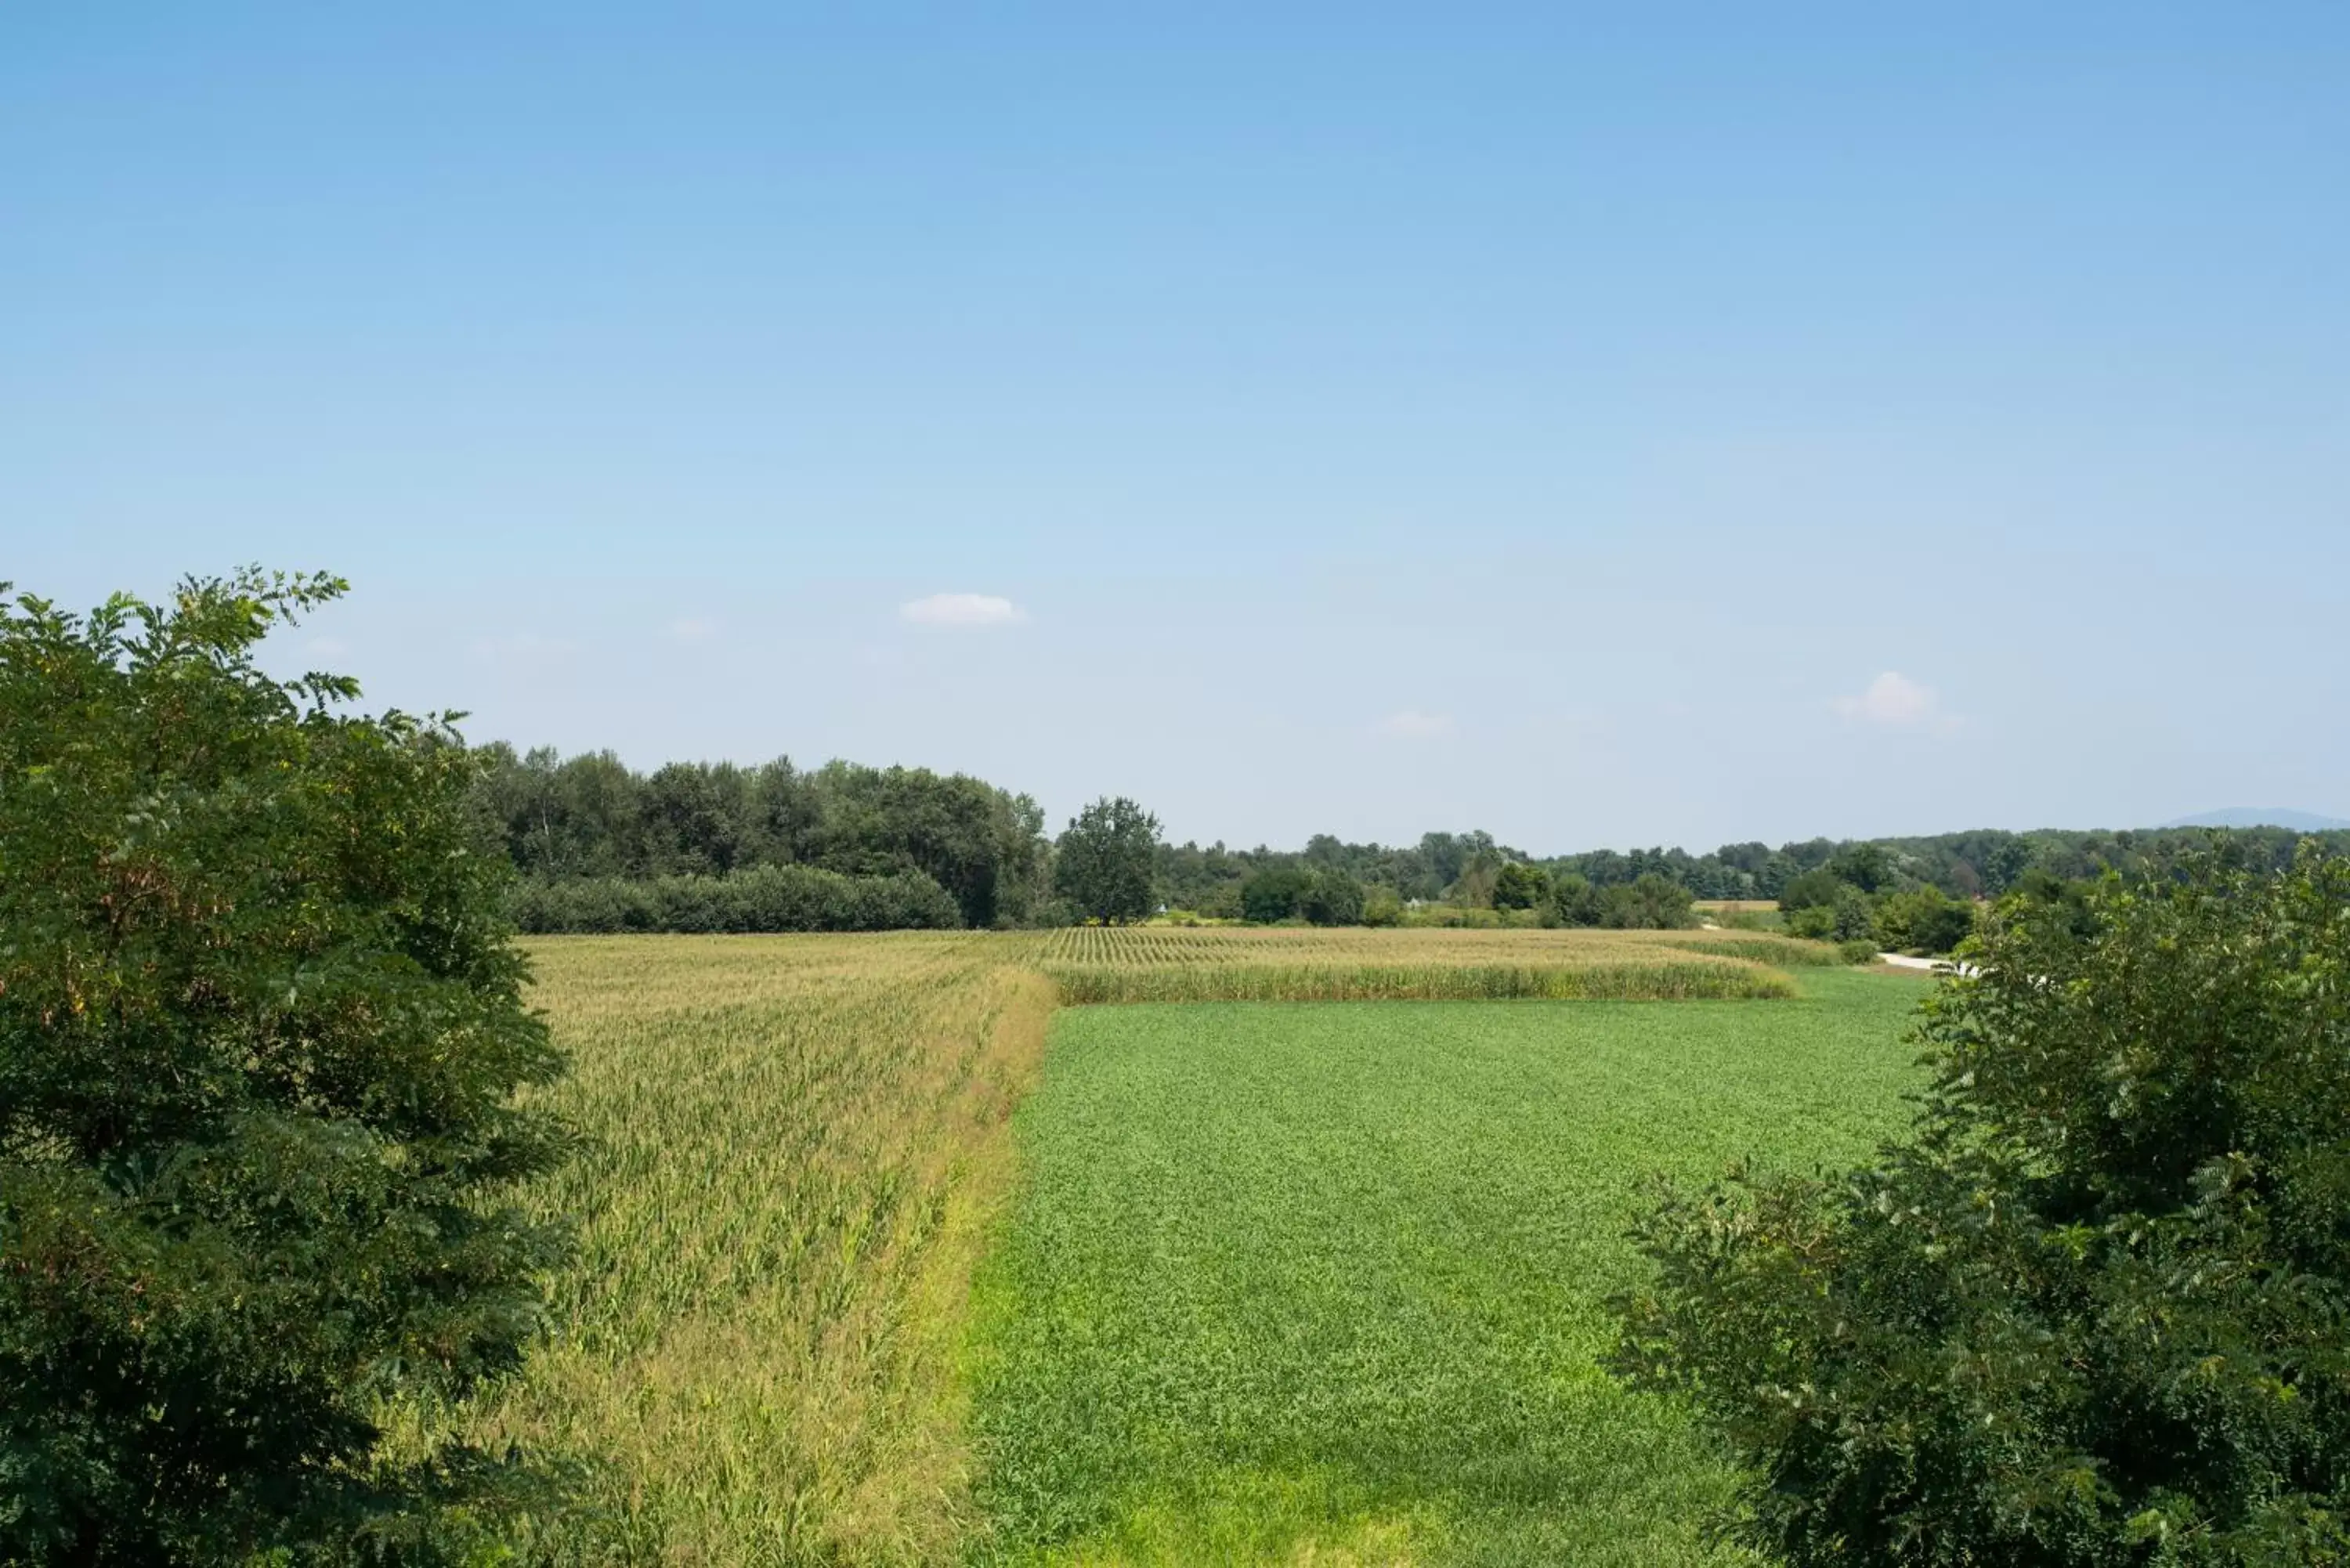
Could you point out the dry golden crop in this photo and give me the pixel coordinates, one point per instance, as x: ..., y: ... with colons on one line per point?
x: 1094, y: 964
x: 795, y: 1144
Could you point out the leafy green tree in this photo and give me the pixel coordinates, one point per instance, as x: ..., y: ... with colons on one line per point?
x: 261, y: 1027
x: 1852, y: 916
x: 1382, y: 907
x: 1812, y: 889
x: 1518, y: 886
x: 1331, y: 898
x: 1923, y: 920
x: 1652, y: 903
x: 1221, y: 902
x: 1274, y: 894
x: 2093, y: 1312
x: 1574, y: 901
x: 1866, y: 865
x: 1473, y: 889
x: 1104, y: 860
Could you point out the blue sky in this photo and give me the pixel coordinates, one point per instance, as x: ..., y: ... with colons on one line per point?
x: 1606, y: 425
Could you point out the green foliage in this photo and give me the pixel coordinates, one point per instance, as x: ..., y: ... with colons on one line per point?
x: 588, y: 817
x: 1480, y: 877
x: 1923, y: 921
x: 1519, y: 886
x: 1814, y: 889
x: 1322, y: 897
x: 1274, y: 1290
x: 1856, y: 950
x: 1274, y: 894
x: 1651, y: 904
x: 260, y: 1029
x: 759, y: 898
x: 1381, y: 906
x: 1103, y: 862
x: 1845, y: 914
x: 1222, y: 902
x: 1332, y: 898
x: 1864, y: 865
x: 1574, y: 901
x: 1853, y: 915
x: 2093, y: 1311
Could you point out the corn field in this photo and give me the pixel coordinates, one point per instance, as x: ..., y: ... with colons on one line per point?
x: 1149, y: 963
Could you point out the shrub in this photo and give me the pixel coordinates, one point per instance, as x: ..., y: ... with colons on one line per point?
x: 1274, y: 894
x: 1574, y: 901
x: 2093, y: 1312
x: 1331, y: 898
x: 1814, y: 922
x: 1814, y: 890
x: 1518, y: 886
x: 1382, y: 907
x: 1856, y: 950
x: 260, y: 1030
x: 1923, y: 921
x: 1653, y: 903
x: 765, y: 898
x: 1221, y: 902
x: 1854, y: 916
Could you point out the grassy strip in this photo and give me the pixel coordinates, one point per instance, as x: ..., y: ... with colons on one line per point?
x: 1327, y: 1284
x: 1084, y: 984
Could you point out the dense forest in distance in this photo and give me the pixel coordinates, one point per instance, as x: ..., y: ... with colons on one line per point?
x: 858, y: 848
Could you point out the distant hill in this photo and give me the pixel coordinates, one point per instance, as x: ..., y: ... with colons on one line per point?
x: 2263, y: 816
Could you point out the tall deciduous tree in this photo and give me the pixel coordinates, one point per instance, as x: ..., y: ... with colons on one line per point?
x: 1104, y: 860
x: 260, y: 1032
x: 2095, y: 1311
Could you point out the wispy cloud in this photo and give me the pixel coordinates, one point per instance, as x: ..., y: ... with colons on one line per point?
x: 525, y: 647
x: 1895, y: 702
x: 1411, y: 724
x: 692, y: 629
x: 962, y: 611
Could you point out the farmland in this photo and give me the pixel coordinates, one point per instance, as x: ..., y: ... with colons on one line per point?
x: 799, y: 1150
x: 1099, y: 964
x: 794, y: 1146
x: 1326, y: 1283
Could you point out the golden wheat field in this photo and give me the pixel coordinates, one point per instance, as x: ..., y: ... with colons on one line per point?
x: 1153, y: 964
x: 794, y: 1148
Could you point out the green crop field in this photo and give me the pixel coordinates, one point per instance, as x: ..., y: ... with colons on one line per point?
x: 1326, y: 1283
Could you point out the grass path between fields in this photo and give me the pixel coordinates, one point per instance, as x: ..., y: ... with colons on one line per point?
x: 1324, y: 1284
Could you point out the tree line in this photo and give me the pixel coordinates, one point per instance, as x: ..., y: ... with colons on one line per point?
x: 600, y: 847
x: 849, y: 847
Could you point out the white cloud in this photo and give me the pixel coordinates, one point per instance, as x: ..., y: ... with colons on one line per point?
x: 1895, y: 702
x: 1411, y: 724
x: 962, y: 610
x: 692, y: 628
